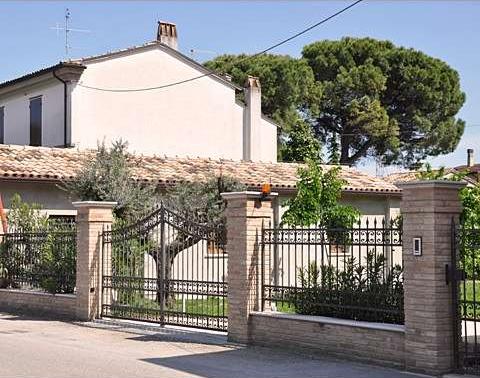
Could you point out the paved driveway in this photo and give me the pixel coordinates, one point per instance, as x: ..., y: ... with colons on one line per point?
x: 41, y: 348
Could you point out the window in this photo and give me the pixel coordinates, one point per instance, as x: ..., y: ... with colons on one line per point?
x: 36, y: 121
x: 2, y: 125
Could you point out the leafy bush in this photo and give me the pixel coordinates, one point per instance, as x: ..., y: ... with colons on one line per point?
x: 317, y: 201
x: 360, y: 292
x: 109, y: 177
x: 469, y: 237
x: 202, y: 201
x: 25, y: 217
x: 56, y: 269
x: 41, y: 252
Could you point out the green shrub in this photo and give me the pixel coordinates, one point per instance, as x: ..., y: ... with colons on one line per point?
x: 40, y: 253
x: 56, y: 269
x: 360, y: 292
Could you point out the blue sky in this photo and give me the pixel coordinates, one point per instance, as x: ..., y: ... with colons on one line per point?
x: 445, y: 29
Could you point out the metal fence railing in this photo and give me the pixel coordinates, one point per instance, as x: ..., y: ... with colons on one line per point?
x: 166, y: 268
x: 44, y: 260
x: 353, y: 273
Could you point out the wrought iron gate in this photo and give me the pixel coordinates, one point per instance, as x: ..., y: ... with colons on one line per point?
x: 168, y: 269
x: 466, y: 297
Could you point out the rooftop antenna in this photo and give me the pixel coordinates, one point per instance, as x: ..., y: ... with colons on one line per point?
x: 67, y: 29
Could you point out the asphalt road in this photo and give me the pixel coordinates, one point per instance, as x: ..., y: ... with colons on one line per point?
x: 41, y: 348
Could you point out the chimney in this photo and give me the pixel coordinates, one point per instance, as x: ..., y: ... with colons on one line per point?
x: 470, y: 158
x: 167, y: 34
x: 252, y: 119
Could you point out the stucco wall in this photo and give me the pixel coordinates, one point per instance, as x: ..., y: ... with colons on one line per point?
x: 17, y: 114
x: 46, y: 194
x: 371, y: 206
x: 51, y: 197
x: 268, y: 138
x: 198, y: 118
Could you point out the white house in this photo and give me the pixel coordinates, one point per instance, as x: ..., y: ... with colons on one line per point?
x: 197, y: 123
x: 110, y: 96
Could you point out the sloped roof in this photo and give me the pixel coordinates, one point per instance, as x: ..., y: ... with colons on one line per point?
x: 147, y: 45
x: 110, y: 54
x: 401, y: 177
x: 40, y: 72
x: 56, y: 164
x: 407, y: 176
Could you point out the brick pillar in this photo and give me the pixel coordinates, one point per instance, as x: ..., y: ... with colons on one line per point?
x: 246, y: 213
x: 92, y: 217
x: 428, y: 208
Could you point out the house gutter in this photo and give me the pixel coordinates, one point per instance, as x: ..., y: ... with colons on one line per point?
x: 65, y: 118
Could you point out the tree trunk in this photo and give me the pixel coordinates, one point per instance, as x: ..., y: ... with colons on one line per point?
x: 171, y: 251
x: 345, y: 149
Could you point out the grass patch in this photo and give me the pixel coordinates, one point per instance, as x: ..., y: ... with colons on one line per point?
x: 469, y: 291
x: 286, y: 307
x: 210, y: 306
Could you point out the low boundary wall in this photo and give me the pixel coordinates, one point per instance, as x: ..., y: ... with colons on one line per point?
x: 38, y: 303
x: 373, y: 342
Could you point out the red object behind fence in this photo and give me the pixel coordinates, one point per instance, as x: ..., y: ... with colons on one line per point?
x: 3, y: 216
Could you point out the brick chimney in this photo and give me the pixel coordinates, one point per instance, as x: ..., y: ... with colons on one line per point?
x: 167, y: 34
x: 470, y: 158
x: 252, y: 120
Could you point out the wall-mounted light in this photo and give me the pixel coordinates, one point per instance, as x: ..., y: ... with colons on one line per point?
x: 266, y: 189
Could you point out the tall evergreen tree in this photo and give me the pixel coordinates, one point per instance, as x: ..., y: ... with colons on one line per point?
x: 385, y: 101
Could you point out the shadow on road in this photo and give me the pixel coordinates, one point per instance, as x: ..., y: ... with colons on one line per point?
x: 148, y: 333
x: 27, y: 315
x: 255, y: 362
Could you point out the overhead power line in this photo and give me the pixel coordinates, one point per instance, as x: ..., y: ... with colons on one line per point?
x: 239, y: 61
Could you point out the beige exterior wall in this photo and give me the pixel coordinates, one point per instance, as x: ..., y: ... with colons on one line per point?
x: 47, y: 194
x: 17, y: 114
x: 268, y: 136
x: 378, y: 343
x: 199, y: 118
x: 52, y: 198
x: 371, y: 206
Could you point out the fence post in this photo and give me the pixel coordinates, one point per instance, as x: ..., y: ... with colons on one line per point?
x: 428, y: 208
x: 92, y: 217
x: 246, y: 213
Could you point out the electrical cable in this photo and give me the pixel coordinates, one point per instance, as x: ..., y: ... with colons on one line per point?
x: 240, y: 61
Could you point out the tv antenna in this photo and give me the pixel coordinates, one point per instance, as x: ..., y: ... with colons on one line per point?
x: 67, y: 29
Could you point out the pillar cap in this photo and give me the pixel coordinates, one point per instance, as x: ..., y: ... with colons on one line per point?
x: 431, y: 184
x: 247, y: 195
x: 95, y: 204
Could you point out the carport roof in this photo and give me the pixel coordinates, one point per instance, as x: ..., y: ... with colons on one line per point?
x: 60, y: 164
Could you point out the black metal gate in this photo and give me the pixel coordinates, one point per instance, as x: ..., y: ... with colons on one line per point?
x: 466, y: 297
x: 168, y: 269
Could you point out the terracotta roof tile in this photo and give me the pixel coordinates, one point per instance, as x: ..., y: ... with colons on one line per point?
x: 54, y: 164
x: 401, y: 177
x: 407, y: 176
